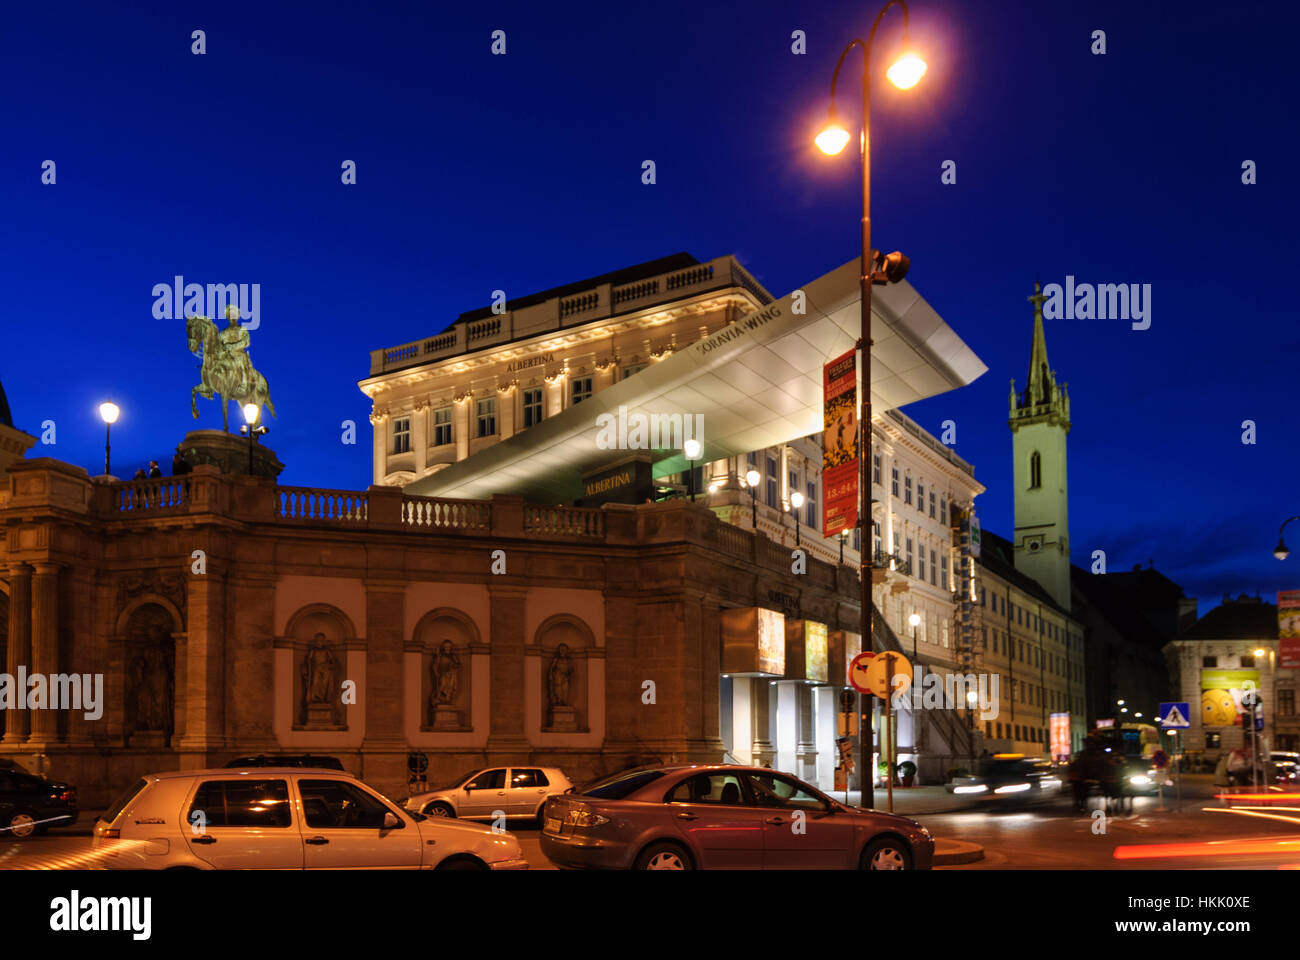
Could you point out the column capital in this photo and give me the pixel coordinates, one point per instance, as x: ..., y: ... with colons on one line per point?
x: 18, y: 569
x: 46, y: 567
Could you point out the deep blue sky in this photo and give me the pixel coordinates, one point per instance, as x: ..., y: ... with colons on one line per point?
x: 521, y: 172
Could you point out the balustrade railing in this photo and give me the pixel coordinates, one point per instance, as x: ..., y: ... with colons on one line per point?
x: 308, y: 503
x: 564, y: 521
x: 435, y: 512
x: 162, y: 493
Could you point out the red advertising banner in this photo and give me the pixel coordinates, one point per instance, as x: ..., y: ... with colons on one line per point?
x: 1288, y: 628
x: 840, y: 444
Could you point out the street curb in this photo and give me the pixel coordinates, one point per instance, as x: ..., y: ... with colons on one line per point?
x: 950, y: 853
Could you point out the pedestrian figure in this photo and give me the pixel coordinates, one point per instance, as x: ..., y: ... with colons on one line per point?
x: 154, y: 470
x: 179, y: 465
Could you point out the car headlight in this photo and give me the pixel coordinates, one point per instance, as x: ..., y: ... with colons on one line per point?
x: 1139, y: 779
x: 1013, y: 788
x: 975, y: 788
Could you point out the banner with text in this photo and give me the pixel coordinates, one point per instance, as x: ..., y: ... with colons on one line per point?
x: 840, y: 444
x: 1288, y: 629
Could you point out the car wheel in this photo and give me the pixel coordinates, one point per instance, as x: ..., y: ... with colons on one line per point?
x: 439, y: 810
x: 886, y: 853
x: 463, y: 863
x: 663, y: 856
x: 22, y: 826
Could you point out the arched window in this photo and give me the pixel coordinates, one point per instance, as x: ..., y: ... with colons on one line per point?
x: 1035, y: 470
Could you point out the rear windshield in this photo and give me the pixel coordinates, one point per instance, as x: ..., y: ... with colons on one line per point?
x: 620, y: 785
x: 111, y: 814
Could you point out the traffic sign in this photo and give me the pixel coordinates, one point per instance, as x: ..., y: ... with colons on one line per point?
x: 1160, y: 759
x: 858, y: 671
x: 883, y: 674
x: 1176, y: 715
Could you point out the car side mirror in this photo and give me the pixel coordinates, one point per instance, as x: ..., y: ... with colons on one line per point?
x: 391, y: 821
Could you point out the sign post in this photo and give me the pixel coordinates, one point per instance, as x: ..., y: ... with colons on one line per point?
x: 858, y: 668
x: 879, y: 680
x: 1175, y: 716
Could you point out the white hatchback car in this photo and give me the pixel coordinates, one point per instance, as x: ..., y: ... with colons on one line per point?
x: 489, y: 793
x: 284, y: 818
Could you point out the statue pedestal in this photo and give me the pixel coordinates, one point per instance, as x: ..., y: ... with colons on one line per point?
x: 446, y: 717
x: 228, y: 452
x: 320, y: 716
x: 563, y: 720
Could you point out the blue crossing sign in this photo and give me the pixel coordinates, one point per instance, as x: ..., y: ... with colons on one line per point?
x: 1175, y: 716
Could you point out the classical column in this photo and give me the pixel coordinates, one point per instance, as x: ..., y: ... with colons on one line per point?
x: 205, y: 666
x: 20, y: 646
x: 45, y: 647
x: 762, y: 691
x: 461, y: 426
x: 507, y: 641
x: 384, y: 746
x: 806, y: 732
x: 379, y: 437
x: 420, y: 436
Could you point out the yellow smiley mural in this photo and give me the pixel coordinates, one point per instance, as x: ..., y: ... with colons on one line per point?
x: 1217, y: 708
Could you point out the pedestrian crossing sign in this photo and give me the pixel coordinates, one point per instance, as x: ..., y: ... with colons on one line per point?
x: 1175, y: 716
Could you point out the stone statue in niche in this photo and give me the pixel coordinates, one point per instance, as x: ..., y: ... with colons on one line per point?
x: 321, y: 691
x: 445, y: 674
x: 558, y: 680
x: 151, y: 688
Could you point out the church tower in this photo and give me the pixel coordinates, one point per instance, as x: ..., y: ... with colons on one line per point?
x: 1040, y: 422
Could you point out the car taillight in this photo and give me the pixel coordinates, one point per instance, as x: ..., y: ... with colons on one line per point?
x: 110, y: 834
x: 586, y: 818
x: 68, y: 795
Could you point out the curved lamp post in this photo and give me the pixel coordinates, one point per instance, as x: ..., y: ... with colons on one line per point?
x: 108, y: 412
x: 1280, y: 551
x: 875, y: 268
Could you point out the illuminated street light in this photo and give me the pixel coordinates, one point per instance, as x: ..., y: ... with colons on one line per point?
x: 692, y: 448
x: 796, y: 501
x: 108, y: 412
x: 252, y: 412
x: 831, y: 140
x: 915, y: 621
x: 1280, y: 551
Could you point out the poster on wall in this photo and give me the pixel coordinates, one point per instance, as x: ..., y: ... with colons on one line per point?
x: 840, y: 444
x: 771, y: 642
x: 1288, y: 629
x: 1059, y: 727
x: 1221, y: 692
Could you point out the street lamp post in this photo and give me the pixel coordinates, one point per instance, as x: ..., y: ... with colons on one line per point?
x: 905, y: 73
x: 692, y: 449
x: 844, y: 535
x: 1280, y: 551
x: 752, y: 479
x: 915, y: 621
x: 796, y: 503
x: 108, y: 412
x: 251, y: 413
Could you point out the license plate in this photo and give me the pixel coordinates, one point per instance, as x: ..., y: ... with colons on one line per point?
x: 552, y: 825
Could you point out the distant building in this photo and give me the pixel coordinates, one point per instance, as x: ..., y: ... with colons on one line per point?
x: 1228, y: 652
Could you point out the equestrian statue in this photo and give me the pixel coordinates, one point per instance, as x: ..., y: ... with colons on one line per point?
x: 226, y: 369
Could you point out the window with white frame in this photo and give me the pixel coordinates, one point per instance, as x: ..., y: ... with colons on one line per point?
x: 532, y: 406
x: 401, y: 434
x: 442, y: 426
x: 486, y: 414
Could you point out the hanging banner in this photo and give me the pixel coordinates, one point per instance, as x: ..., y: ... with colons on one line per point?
x: 1288, y: 628
x: 840, y: 444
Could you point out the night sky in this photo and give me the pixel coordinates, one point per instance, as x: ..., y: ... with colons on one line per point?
x: 521, y: 172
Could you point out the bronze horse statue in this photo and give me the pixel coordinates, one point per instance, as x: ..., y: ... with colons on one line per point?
x: 226, y: 369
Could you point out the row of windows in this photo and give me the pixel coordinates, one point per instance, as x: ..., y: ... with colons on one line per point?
x: 1023, y: 616
x: 485, y: 414
x: 1023, y: 733
x: 921, y: 501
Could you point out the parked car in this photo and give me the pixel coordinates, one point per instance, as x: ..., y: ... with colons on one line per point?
x: 1008, y: 778
x: 288, y: 760
x: 487, y: 792
x: 285, y: 818
x: 30, y: 805
x: 1286, y: 766
x: 723, y: 817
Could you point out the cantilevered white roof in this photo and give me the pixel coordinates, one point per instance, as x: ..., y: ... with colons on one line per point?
x: 757, y: 383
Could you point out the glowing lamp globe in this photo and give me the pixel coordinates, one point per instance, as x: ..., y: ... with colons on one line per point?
x: 906, y: 72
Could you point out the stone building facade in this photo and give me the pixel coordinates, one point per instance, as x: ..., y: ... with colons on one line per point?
x: 227, y: 616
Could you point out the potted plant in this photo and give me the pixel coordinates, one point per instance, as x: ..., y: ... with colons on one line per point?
x: 882, y: 769
x: 907, y: 770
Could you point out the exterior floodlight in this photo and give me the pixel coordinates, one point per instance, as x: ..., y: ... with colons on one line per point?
x: 890, y: 267
x: 906, y: 72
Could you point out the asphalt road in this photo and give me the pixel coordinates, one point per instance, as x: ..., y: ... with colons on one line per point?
x: 1049, y: 836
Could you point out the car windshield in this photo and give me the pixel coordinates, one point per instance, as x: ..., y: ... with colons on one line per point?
x: 1004, y: 768
x: 619, y: 785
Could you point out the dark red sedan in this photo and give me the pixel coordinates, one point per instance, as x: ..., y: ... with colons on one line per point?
x: 723, y: 817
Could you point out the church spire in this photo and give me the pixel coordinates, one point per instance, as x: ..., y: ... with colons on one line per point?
x: 1042, y: 397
